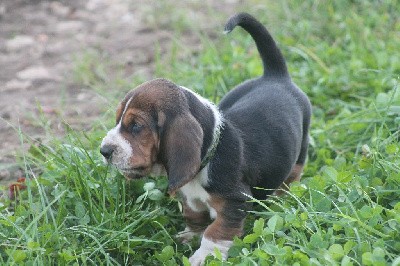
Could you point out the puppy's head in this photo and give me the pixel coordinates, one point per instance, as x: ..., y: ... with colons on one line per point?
x: 155, y: 126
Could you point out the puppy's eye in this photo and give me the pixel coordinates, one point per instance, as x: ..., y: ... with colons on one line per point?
x: 136, y: 128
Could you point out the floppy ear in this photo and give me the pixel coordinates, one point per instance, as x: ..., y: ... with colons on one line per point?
x: 182, y: 150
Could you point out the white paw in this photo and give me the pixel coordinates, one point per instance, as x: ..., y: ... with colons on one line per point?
x: 207, y: 247
x: 187, y: 235
x: 197, y: 259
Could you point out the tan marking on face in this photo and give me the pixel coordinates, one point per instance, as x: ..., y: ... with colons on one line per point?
x: 156, y: 100
x: 134, y: 115
x: 145, y: 143
x: 137, y: 107
x: 294, y: 175
x: 122, y: 106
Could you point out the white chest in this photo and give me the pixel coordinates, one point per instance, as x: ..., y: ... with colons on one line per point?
x: 197, y: 198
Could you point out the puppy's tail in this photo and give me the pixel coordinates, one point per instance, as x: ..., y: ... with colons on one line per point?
x: 271, y: 56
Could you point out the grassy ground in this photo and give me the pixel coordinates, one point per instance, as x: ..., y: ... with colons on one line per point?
x: 346, y: 210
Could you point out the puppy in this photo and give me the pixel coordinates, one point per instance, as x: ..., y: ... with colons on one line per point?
x: 216, y: 156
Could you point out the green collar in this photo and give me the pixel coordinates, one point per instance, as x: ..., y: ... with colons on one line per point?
x: 213, y: 147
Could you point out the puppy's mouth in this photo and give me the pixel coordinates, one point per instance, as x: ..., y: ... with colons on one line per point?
x: 134, y: 172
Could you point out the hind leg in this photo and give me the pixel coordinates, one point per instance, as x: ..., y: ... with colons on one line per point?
x: 297, y: 169
x: 294, y: 175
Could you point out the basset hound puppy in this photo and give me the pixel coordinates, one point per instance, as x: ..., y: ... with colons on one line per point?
x: 253, y: 143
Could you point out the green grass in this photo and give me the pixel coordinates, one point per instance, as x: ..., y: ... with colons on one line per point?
x: 345, y: 211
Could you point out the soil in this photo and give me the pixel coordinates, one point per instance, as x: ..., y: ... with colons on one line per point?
x: 39, y: 41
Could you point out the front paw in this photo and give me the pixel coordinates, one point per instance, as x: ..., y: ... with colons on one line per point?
x: 197, y: 259
x: 187, y: 235
x: 207, y: 247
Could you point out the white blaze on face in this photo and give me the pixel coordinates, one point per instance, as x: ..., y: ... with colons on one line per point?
x: 122, y: 148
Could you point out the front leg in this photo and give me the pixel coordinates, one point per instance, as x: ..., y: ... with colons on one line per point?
x: 219, y: 234
x: 197, y: 218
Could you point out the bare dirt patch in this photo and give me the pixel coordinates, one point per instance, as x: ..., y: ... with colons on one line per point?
x: 40, y: 42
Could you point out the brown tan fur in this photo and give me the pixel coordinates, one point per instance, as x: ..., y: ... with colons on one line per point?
x: 216, y: 157
x: 225, y: 226
x: 295, y: 175
x: 183, y: 134
x: 196, y: 221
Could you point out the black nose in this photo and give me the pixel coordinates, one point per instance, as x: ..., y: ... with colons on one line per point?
x: 107, y: 151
